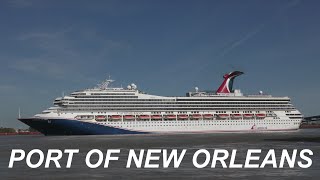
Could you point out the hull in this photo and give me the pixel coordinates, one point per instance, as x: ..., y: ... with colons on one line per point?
x: 72, y: 127
x: 76, y: 127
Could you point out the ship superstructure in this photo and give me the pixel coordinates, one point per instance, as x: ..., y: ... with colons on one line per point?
x: 109, y: 110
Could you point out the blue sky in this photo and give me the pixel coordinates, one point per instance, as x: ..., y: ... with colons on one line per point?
x: 166, y: 47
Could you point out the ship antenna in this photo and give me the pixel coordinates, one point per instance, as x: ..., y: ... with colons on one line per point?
x: 105, y: 84
x: 19, y: 113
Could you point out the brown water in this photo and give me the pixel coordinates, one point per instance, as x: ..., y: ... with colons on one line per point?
x: 302, y: 139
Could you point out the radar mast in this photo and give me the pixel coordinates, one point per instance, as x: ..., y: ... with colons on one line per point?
x: 105, y: 84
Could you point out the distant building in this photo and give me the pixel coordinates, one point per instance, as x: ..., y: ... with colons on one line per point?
x: 311, y: 120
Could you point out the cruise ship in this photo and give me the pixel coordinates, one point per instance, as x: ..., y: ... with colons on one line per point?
x: 107, y: 110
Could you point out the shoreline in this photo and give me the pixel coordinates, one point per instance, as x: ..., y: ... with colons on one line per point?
x: 309, y: 126
x: 19, y: 133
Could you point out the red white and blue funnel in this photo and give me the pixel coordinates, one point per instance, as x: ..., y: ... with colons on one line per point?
x: 226, y: 86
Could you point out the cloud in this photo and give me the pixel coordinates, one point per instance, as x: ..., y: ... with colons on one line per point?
x: 71, y: 41
x: 21, y: 3
x: 249, y: 35
x: 44, y: 35
x: 49, y: 42
x: 50, y: 50
x: 242, y: 40
x: 70, y: 52
x: 7, y: 88
x: 292, y: 4
x: 29, y: 3
x: 38, y: 66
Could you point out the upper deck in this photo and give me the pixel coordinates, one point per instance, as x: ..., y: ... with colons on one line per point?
x: 106, y: 98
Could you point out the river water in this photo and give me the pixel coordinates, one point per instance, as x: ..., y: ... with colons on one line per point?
x: 302, y: 139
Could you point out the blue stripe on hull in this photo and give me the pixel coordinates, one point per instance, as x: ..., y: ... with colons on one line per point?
x: 73, y: 127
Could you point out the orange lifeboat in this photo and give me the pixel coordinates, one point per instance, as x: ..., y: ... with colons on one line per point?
x: 171, y: 116
x: 115, y: 117
x: 196, y: 116
x: 182, y: 116
x: 247, y: 115
x: 100, y: 118
x: 236, y: 116
x: 260, y: 115
x: 144, y: 117
x: 128, y: 117
x: 208, y: 116
x: 156, y: 117
x: 223, y: 116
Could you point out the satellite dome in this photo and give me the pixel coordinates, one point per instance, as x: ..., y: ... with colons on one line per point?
x: 133, y: 86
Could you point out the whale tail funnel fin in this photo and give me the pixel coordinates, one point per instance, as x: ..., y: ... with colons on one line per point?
x: 227, y: 84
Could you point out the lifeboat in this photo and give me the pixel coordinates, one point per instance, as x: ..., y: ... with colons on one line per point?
x: 196, y: 116
x: 247, y: 115
x: 261, y: 115
x: 144, y: 117
x: 128, y: 117
x: 208, y: 116
x: 236, y: 116
x: 100, y: 117
x: 156, y: 117
x: 182, y: 116
x: 115, y: 117
x: 171, y: 116
x: 223, y: 116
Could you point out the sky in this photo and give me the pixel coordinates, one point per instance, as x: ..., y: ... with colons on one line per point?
x: 166, y: 47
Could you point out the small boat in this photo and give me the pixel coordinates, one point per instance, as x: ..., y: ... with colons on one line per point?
x: 196, y: 116
x: 208, y: 116
x: 260, y: 115
x: 171, y: 116
x: 247, y: 115
x: 223, y: 116
x: 115, y: 117
x: 128, y: 117
x: 100, y: 118
x: 183, y: 116
x: 144, y: 117
x: 156, y: 117
x: 236, y: 116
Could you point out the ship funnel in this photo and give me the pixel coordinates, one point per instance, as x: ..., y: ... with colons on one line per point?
x: 226, y: 86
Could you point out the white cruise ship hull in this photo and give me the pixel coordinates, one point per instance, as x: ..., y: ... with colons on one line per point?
x: 77, y: 127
